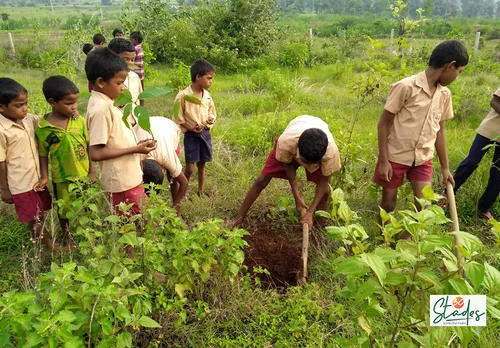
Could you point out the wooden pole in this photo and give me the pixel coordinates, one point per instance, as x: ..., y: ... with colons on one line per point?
x: 454, y: 217
x: 11, y: 43
x: 305, y: 250
x: 476, y: 42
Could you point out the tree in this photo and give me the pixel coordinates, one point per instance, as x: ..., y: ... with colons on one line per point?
x: 428, y: 7
x: 5, y: 17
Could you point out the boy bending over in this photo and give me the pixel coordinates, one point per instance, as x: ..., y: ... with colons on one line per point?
x: 112, y: 144
x: 412, y: 124
x: 63, y: 141
x: 19, y: 162
x: 306, y: 142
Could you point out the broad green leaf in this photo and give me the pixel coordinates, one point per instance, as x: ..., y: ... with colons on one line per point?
x: 491, y: 309
x: 154, y: 92
x: 129, y: 238
x: 148, y: 322
x: 461, y: 286
x: 469, y: 241
x: 66, y: 316
x: 124, y: 340
x: 177, y: 108
x: 351, y: 266
x: 33, y: 340
x: 384, y: 216
x: 365, y: 290
x: 364, y: 322
x: 428, y: 193
x: 387, y: 255
x: 376, y: 263
x: 433, y: 242
x: 429, y: 277
x: 465, y: 334
x: 142, y: 117
x: 475, y: 272
x: 336, y: 232
x: 126, y: 113
x: 85, y: 277
x: 491, y: 278
x: 395, y: 278
x: 192, y: 98
x: 345, y: 212
x: 124, y: 98
x: 179, y: 289
x: 322, y: 213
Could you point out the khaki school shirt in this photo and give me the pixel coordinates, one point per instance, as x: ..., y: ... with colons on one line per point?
x: 105, y: 125
x: 287, y: 147
x: 418, y: 113
x: 191, y: 114
x: 133, y: 84
x: 490, y: 127
x: 18, y: 148
x: 167, y: 135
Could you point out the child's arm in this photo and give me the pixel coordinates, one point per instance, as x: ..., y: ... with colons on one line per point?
x: 212, y: 115
x: 102, y: 152
x: 44, y: 171
x: 323, y: 189
x: 92, y: 173
x: 443, y: 156
x: 6, y: 195
x: 383, y: 131
x: 291, y: 174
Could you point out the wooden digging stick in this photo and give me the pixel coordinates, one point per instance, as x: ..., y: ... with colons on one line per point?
x: 454, y: 217
x: 305, y: 249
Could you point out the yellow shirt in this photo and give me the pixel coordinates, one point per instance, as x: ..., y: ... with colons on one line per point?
x: 18, y: 148
x: 167, y: 135
x: 418, y: 113
x: 105, y: 125
x: 191, y: 114
x: 490, y: 127
x: 287, y: 147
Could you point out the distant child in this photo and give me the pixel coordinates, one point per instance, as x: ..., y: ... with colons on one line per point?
x: 412, y: 124
x: 125, y: 49
x: 63, y: 141
x: 86, y: 49
x: 99, y: 40
x: 197, y: 120
x: 488, y: 133
x: 136, y: 38
x: 306, y: 142
x: 117, y: 33
x: 19, y: 162
x: 112, y: 144
x: 166, y: 158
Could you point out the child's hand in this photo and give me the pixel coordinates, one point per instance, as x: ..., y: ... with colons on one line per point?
x: 307, y: 219
x: 198, y: 128
x: 40, y: 185
x: 210, y: 120
x: 7, y: 196
x: 447, y: 176
x: 300, y: 206
x: 92, y: 176
x: 146, y: 147
x: 385, y: 171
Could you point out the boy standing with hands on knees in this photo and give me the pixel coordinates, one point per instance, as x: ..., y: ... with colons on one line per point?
x: 112, y: 144
x: 197, y: 120
x: 63, y: 141
x: 412, y: 124
x: 19, y: 162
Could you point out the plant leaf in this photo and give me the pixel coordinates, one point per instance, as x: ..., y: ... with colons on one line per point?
x: 192, y: 98
x: 365, y: 324
x: 142, y: 117
x: 351, y: 266
x: 376, y: 263
x: 148, y: 322
x: 124, y: 98
x: 177, y: 108
x: 365, y: 290
x: 154, y: 92
x: 491, y: 278
x: 129, y: 238
x: 124, y: 340
x: 475, y: 272
x: 126, y: 113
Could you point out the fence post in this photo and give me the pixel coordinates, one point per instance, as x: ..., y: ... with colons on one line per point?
x: 476, y: 42
x: 11, y: 43
x: 391, y: 48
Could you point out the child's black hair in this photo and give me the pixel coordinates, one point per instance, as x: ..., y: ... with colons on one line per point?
x: 119, y: 45
x: 99, y: 39
x: 137, y: 36
x: 313, y: 143
x: 448, y: 51
x: 201, y: 67
x: 117, y: 31
x: 57, y: 87
x: 10, y: 89
x: 104, y: 63
x: 87, y: 48
x: 152, y: 173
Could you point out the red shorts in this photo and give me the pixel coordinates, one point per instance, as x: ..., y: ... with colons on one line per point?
x: 276, y: 169
x: 31, y: 205
x: 422, y: 172
x: 178, y: 151
x: 134, y: 195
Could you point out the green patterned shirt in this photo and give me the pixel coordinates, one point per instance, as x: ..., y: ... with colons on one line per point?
x: 65, y: 148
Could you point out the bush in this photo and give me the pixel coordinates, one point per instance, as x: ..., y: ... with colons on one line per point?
x: 294, y: 55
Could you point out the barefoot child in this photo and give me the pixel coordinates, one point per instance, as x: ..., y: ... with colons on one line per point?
x: 197, y: 120
x: 63, y: 141
x: 412, y: 124
x: 488, y: 133
x: 112, y: 144
x: 306, y: 142
x: 19, y: 162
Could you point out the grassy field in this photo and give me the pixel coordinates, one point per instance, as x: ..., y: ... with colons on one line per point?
x: 60, y: 12
x: 254, y: 108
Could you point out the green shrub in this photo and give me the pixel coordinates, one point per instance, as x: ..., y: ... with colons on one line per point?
x: 294, y: 55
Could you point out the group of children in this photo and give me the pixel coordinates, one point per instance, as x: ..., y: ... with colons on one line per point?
x: 411, y: 126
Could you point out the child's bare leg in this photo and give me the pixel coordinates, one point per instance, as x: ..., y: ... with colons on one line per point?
x: 323, y: 205
x: 417, y: 187
x: 201, y: 177
x: 36, y: 230
x: 189, y: 170
x: 66, y: 235
x: 174, y: 186
x: 257, y: 187
x: 389, y: 199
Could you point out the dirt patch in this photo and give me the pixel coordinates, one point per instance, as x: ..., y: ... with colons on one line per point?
x: 275, y: 249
